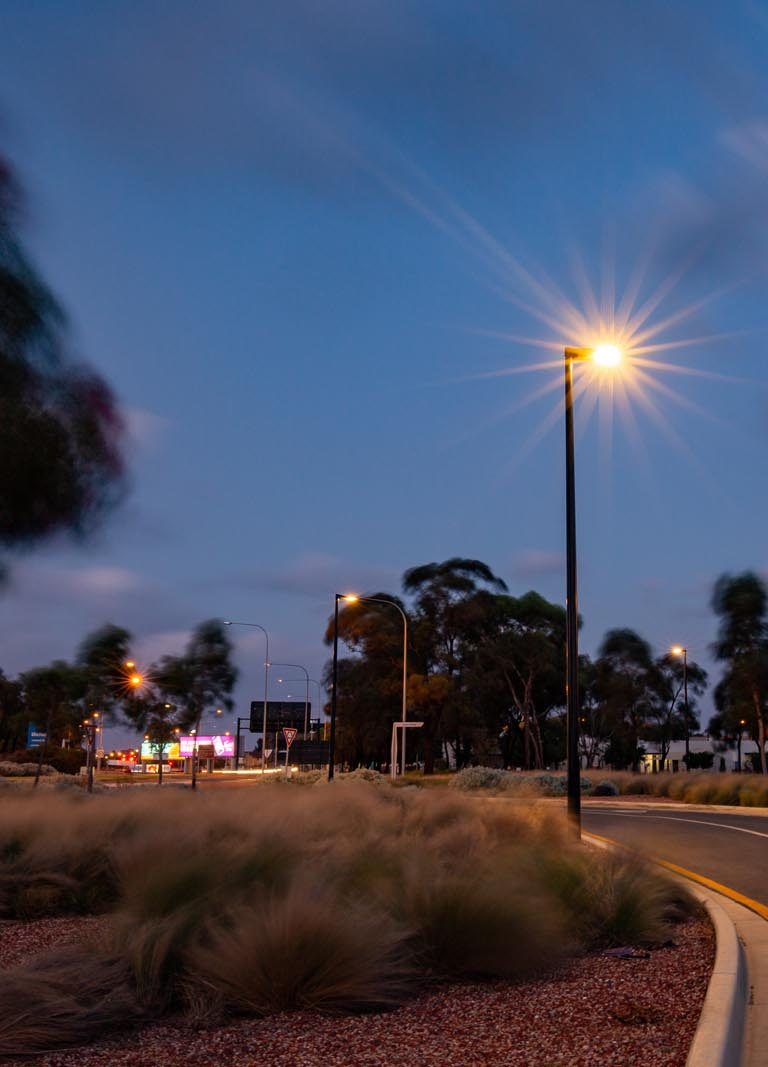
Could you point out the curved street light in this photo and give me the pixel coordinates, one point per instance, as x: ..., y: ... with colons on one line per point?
x: 352, y: 598
x: 258, y: 626
x: 299, y: 667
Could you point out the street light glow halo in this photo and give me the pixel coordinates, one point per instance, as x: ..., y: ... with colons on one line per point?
x: 607, y: 355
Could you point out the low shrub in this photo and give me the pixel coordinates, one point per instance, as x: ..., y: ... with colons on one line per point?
x: 471, y: 778
x: 605, y: 788
x: 10, y: 769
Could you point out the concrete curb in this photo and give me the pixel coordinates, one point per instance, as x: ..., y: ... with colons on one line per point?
x: 719, y: 1036
x: 720, y: 1033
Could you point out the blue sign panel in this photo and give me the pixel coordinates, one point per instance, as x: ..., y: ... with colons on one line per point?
x: 35, y: 737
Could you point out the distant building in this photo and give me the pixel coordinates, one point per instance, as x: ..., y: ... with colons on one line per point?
x: 723, y: 759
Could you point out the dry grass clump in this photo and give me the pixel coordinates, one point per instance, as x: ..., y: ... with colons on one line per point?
x: 620, y: 901
x: 302, y: 951
x: 694, y: 787
x: 64, y: 998
x: 338, y: 899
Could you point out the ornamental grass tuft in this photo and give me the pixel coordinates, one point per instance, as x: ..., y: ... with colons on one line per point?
x: 337, y: 900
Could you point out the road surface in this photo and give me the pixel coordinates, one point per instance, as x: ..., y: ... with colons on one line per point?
x: 728, y: 847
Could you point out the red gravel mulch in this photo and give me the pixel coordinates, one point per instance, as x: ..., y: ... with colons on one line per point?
x: 595, y: 1012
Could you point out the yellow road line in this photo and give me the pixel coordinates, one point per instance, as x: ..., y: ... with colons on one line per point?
x: 726, y: 891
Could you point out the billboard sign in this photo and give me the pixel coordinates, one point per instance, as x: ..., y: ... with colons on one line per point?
x: 218, y: 744
x: 150, y: 750
x: 280, y: 713
x: 35, y: 737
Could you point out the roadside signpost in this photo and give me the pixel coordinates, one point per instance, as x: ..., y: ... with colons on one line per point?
x: 289, y: 733
x: 402, y: 727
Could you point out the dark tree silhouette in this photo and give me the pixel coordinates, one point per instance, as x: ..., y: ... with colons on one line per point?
x: 60, y: 460
x: 741, y: 603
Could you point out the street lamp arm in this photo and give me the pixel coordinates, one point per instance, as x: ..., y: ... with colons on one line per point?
x: 394, y: 604
x: 258, y: 626
x: 299, y: 667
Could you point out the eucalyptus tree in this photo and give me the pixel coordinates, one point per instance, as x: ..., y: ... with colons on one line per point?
x: 741, y: 603
x: 181, y: 689
x: 102, y: 656
x: 520, y: 644
x: 53, y: 698
x: 448, y: 599
x: 627, y: 685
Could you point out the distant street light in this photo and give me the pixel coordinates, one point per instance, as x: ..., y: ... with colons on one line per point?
x: 678, y: 650
x: 742, y: 724
x: 392, y: 604
x: 349, y: 598
x: 606, y: 356
x: 258, y: 626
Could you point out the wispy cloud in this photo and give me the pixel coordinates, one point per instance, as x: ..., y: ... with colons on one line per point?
x: 538, y: 563
x: 315, y: 574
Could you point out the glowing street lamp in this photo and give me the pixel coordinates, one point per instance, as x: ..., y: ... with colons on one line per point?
x: 605, y: 356
x: 742, y: 724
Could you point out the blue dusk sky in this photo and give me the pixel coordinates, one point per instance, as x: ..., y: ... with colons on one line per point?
x: 302, y: 238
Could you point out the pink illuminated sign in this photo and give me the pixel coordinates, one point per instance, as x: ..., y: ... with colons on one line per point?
x: 222, y: 745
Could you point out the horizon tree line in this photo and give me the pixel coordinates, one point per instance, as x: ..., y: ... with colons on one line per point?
x: 480, y: 659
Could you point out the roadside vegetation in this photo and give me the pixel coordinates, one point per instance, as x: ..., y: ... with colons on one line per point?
x: 344, y: 898
x: 745, y: 790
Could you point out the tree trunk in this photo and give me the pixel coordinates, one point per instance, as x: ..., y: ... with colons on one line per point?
x: 160, y: 768
x: 760, y: 732
x: 429, y: 754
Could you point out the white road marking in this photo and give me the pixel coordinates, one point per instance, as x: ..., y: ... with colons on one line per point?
x: 676, y: 818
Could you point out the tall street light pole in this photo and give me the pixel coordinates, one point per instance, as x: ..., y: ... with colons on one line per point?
x: 742, y: 723
x: 678, y: 650
x: 258, y: 626
x: 335, y: 682
x: 605, y: 356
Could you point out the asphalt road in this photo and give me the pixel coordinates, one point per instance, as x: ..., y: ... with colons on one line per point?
x: 726, y: 846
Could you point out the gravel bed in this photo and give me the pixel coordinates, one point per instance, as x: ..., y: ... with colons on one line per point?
x: 19, y: 940
x: 594, y: 1012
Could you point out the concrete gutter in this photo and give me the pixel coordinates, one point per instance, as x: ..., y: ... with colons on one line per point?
x: 719, y: 1037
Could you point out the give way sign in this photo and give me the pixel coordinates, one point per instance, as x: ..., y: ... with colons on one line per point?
x: 289, y: 733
